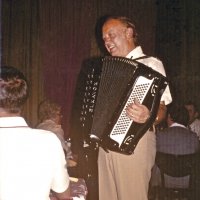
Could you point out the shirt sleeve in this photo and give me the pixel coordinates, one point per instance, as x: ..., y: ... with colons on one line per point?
x: 157, y: 65
x: 60, y: 174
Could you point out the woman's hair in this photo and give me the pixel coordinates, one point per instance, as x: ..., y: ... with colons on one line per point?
x: 48, y: 110
x: 13, y: 89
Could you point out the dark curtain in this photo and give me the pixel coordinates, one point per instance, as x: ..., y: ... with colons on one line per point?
x: 49, y: 39
x: 177, y: 44
x: 21, y: 47
x: 66, y: 31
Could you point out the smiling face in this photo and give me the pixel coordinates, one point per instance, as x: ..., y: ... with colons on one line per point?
x: 118, y: 38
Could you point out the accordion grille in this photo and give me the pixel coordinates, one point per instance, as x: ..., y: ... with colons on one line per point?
x: 116, y: 75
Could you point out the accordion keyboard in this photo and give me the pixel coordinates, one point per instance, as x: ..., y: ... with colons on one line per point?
x: 121, y: 127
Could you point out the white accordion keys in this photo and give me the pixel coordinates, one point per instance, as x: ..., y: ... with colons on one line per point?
x: 140, y: 88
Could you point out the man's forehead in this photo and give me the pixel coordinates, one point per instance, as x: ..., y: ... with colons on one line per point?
x: 112, y: 23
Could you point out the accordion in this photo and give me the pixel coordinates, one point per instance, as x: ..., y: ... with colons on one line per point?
x: 108, y: 89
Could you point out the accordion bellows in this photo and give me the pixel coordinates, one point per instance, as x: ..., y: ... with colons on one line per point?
x: 109, y: 88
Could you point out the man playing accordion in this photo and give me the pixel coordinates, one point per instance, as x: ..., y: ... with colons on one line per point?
x: 125, y: 177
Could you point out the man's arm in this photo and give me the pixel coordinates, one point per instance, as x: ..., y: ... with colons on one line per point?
x: 60, y: 182
x: 161, y: 113
x: 64, y: 195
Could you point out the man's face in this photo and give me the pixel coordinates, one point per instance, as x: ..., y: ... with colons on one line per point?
x: 192, y: 112
x: 116, y: 38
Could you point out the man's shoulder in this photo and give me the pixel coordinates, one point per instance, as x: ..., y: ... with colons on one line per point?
x: 43, y: 134
x: 156, y: 60
x: 196, y: 122
x: 152, y: 61
x: 175, y: 131
x: 184, y: 133
x: 180, y: 130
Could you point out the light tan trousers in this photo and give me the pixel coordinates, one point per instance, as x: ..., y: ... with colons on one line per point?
x: 126, y: 177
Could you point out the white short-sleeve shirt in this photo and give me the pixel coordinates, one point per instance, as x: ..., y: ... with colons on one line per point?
x: 156, y: 65
x: 31, y: 162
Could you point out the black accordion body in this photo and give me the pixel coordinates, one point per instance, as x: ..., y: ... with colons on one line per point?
x: 108, y: 89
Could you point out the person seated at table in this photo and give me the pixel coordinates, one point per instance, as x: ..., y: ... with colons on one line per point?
x: 50, y: 117
x: 176, y: 139
x: 32, y: 161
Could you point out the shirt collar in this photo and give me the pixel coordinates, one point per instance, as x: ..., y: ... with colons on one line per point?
x: 11, y: 122
x: 177, y: 124
x: 135, y: 53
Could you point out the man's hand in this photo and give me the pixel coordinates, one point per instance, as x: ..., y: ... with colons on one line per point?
x: 137, y: 112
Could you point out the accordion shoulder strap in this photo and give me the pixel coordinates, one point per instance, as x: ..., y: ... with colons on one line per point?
x: 141, y: 57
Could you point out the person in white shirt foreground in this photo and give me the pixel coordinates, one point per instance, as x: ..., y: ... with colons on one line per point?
x: 32, y: 161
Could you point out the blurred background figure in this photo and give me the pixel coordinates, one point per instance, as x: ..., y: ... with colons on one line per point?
x: 194, y: 122
x: 50, y: 117
x: 177, y: 139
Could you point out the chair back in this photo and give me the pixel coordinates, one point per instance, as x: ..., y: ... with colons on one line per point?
x: 179, y: 166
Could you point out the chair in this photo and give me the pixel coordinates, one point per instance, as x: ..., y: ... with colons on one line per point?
x: 178, y: 166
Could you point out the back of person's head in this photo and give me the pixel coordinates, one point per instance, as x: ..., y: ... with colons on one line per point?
x: 178, y: 114
x: 48, y: 110
x: 13, y: 89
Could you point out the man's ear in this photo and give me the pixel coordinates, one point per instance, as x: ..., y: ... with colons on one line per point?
x: 129, y: 32
x: 169, y: 117
x: 196, y: 115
